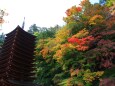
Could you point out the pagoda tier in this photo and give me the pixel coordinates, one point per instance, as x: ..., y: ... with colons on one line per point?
x: 16, y: 59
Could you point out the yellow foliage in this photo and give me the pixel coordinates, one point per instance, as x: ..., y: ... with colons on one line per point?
x: 73, y: 10
x: 36, y: 53
x: 62, y: 34
x: 40, y: 43
x: 95, y: 19
x: 62, y: 49
x: 66, y: 47
x: 81, y: 33
x: 99, y: 73
x: 58, y: 55
x: 56, y: 47
x: 53, y: 44
x: 91, y: 76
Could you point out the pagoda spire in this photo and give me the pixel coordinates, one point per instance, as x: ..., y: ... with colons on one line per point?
x: 23, y: 24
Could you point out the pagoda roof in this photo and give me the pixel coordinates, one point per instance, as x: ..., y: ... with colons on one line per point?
x: 18, y: 28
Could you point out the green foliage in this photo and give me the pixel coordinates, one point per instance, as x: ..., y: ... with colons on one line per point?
x: 109, y: 73
x: 110, y: 2
x: 43, y: 32
x: 33, y: 28
x: 2, y: 37
x: 46, y: 71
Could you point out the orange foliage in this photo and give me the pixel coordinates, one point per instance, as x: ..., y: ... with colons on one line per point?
x: 82, y: 48
x: 1, y: 20
x: 73, y: 40
x: 73, y: 10
x: 82, y: 44
x: 68, y: 13
x: 74, y: 72
x: 83, y: 2
x: 44, y: 52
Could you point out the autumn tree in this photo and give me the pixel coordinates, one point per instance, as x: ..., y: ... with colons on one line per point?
x: 82, y: 52
x: 2, y: 14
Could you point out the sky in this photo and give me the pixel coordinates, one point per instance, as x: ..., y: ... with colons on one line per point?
x: 43, y: 13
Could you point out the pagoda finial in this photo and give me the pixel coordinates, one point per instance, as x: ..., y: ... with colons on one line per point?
x: 23, y: 24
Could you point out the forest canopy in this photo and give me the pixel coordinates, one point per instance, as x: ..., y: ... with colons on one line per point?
x: 82, y: 52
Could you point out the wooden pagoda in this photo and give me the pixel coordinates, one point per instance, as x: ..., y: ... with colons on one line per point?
x: 16, y: 59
